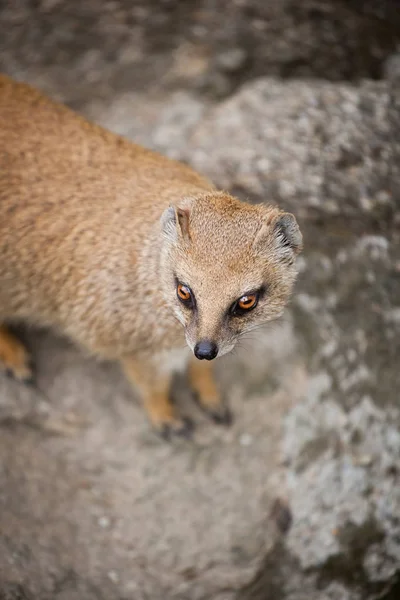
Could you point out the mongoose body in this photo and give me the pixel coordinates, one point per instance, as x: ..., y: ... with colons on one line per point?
x: 135, y: 257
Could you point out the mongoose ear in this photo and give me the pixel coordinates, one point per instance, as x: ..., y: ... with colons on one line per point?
x: 175, y: 223
x: 280, y: 233
x: 288, y: 233
x: 183, y: 216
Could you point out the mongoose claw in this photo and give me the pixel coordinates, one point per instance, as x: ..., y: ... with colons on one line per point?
x: 222, y: 416
x: 219, y: 412
x: 182, y: 428
x: 28, y: 380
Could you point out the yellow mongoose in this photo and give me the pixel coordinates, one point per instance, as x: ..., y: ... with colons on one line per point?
x: 129, y: 253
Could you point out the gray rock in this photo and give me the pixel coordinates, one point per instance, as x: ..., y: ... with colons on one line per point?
x: 321, y: 150
x: 343, y: 484
x: 94, y: 505
x: 163, y: 123
x: 100, y: 49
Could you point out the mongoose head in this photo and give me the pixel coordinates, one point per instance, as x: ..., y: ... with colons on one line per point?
x: 227, y: 268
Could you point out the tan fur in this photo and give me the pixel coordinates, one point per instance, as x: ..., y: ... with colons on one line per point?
x: 88, y: 246
x: 202, y: 381
x: 13, y: 356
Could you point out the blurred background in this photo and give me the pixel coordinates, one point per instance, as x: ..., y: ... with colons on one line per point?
x: 283, y: 101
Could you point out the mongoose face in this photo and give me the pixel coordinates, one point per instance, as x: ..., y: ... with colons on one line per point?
x: 227, y: 268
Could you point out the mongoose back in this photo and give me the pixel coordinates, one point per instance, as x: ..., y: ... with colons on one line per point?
x: 133, y: 256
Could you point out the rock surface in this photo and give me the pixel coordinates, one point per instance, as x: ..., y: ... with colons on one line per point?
x: 300, y: 499
x: 90, y: 497
x: 320, y: 149
x: 91, y: 48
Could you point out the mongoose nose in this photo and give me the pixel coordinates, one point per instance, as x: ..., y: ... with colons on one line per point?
x: 205, y: 349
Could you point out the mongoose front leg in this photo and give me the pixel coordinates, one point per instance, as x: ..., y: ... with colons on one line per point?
x: 14, y: 357
x: 155, y: 390
x: 202, y: 381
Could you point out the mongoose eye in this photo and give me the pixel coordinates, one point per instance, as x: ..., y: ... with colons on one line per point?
x: 245, y: 304
x: 184, y: 294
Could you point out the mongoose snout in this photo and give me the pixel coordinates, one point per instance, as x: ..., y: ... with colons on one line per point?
x: 205, y: 350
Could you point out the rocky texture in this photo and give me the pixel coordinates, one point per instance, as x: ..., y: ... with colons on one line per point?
x: 92, y: 502
x: 99, y: 49
x: 320, y: 149
x: 300, y: 499
x: 341, y: 444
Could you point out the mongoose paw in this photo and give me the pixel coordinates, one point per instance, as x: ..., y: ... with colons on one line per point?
x: 29, y: 380
x: 222, y: 416
x: 219, y: 412
x: 15, y: 360
x: 180, y: 427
